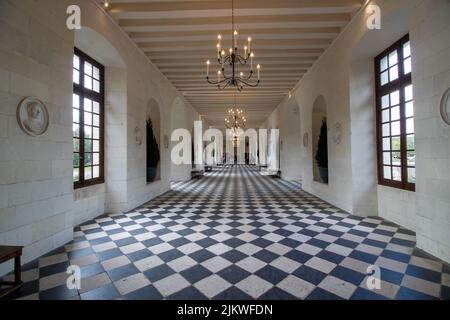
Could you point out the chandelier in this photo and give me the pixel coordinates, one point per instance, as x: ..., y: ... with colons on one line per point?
x: 233, y: 59
x: 235, y: 120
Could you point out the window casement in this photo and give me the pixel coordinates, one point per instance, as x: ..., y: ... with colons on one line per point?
x: 395, y: 117
x: 88, y: 120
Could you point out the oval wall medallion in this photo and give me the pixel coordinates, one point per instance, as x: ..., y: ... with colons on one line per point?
x: 337, y: 133
x: 305, y: 139
x: 445, y: 107
x: 32, y: 116
x: 139, y: 136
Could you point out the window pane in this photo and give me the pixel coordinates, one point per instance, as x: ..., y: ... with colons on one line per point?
x: 409, y: 109
x: 385, y: 101
x: 76, y: 145
x: 383, y: 64
x: 409, y: 93
x: 88, y: 82
x: 395, y: 98
x: 76, y: 77
x: 87, y: 159
x: 387, y: 158
x: 87, y: 145
x: 397, y: 173
x: 396, y: 159
x: 407, y: 49
x: 395, y: 128
x: 386, y: 130
x: 96, y: 172
x: 76, y: 115
x: 395, y: 113
x: 88, y: 118
x: 96, y: 120
x: 96, y: 133
x: 87, y: 105
x: 87, y: 132
x: 411, y: 158
x: 410, y: 126
x: 76, y: 174
x: 387, y: 172
x: 410, y: 142
x: 96, y: 73
x: 393, y: 73
x: 386, y: 144
x: 76, y: 160
x: 385, y: 116
x: 411, y: 175
x: 393, y: 58
x: 96, y: 86
x: 407, y: 66
x: 96, y: 146
x: 384, y: 78
x: 76, y: 62
x: 76, y: 130
x: 96, y: 159
x: 76, y: 101
x: 88, y: 68
x: 396, y: 144
x: 87, y: 173
x: 96, y: 107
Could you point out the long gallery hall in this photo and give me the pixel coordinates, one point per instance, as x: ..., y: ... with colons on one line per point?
x: 224, y: 150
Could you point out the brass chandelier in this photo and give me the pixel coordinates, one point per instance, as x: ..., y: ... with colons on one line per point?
x: 233, y: 60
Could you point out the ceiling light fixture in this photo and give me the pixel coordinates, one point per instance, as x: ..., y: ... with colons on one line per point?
x: 233, y: 59
x: 235, y: 121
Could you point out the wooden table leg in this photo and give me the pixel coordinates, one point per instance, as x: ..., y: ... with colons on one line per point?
x: 17, y: 270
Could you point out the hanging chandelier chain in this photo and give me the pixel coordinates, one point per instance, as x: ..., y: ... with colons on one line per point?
x: 232, y: 19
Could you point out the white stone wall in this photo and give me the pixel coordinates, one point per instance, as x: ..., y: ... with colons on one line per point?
x: 36, y: 188
x: 344, y: 76
x: 38, y: 205
x: 430, y: 38
x: 287, y: 119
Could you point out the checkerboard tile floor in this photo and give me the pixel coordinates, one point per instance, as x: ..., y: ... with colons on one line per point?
x: 235, y: 234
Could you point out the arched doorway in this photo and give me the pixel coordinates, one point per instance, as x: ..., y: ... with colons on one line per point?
x: 153, y: 141
x: 320, y: 140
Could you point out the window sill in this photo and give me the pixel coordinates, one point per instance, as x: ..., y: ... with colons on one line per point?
x: 397, y: 187
x: 88, y: 184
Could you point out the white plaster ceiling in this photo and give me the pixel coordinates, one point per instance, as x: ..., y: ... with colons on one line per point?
x: 179, y: 36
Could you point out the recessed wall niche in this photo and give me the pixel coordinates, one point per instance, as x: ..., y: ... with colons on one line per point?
x: 153, y: 141
x: 319, y: 141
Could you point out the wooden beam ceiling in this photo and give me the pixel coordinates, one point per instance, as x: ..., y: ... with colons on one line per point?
x: 288, y: 37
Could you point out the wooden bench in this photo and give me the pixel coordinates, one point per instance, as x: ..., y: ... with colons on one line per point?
x: 262, y: 166
x: 196, y: 174
x: 8, y: 253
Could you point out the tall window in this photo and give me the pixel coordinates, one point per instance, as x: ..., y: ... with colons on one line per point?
x: 395, y: 117
x: 88, y: 120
